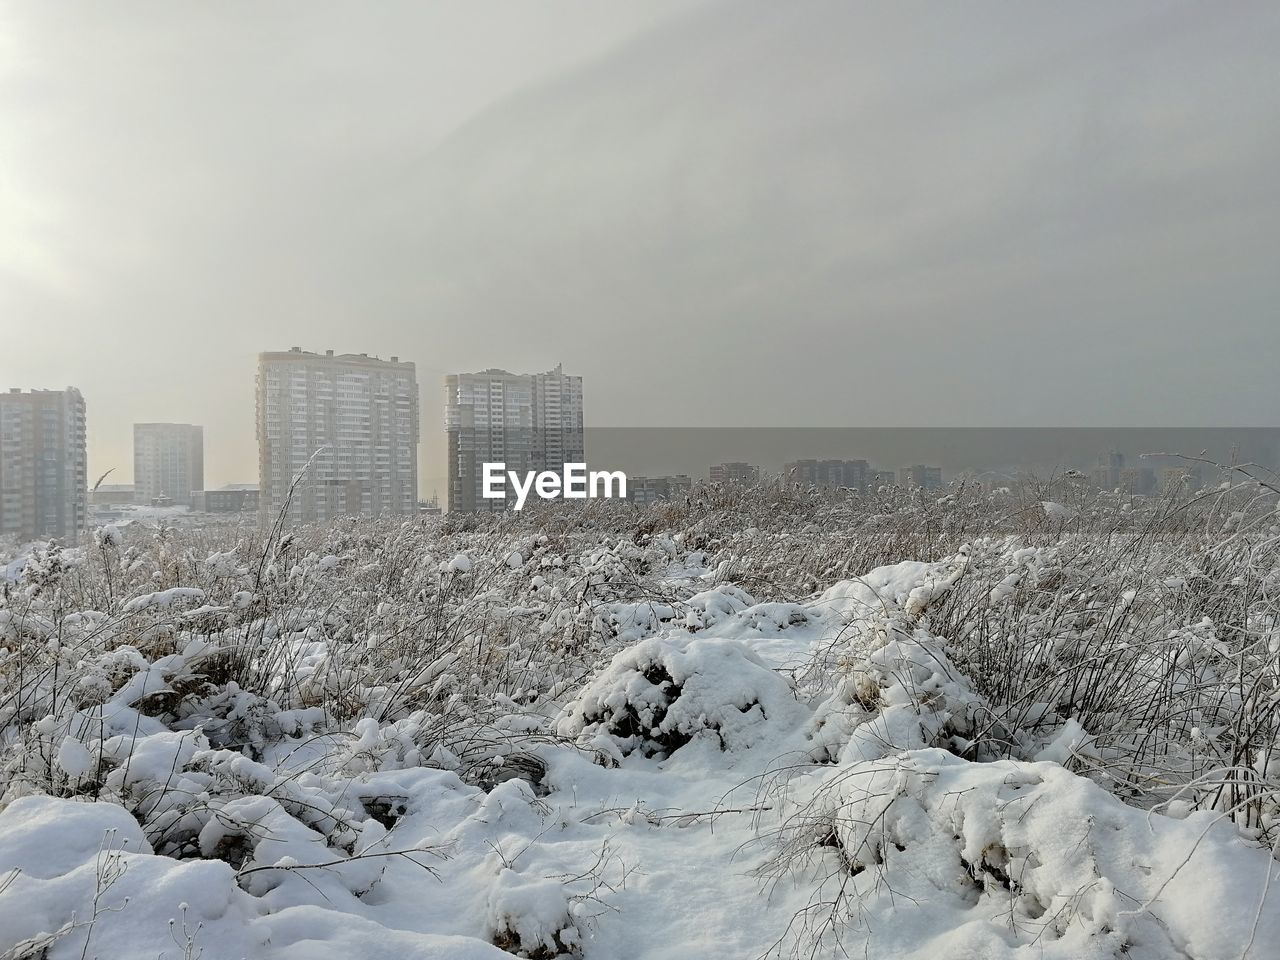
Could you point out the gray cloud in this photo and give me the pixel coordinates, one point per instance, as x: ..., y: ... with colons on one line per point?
x: 754, y: 213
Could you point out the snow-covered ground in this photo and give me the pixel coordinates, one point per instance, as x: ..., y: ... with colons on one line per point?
x: 666, y: 735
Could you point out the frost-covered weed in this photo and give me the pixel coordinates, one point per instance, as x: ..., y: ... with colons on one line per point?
x: 265, y: 701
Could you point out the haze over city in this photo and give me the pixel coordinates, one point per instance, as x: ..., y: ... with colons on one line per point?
x: 749, y: 214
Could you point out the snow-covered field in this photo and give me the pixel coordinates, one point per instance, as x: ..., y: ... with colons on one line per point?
x: 758, y: 724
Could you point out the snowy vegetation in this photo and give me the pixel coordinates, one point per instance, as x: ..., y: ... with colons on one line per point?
x: 756, y: 723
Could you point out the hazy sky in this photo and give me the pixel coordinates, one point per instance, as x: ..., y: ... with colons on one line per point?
x: 751, y: 213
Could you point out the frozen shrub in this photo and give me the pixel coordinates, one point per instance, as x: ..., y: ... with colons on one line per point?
x: 711, y: 607
x: 530, y: 917
x: 903, y: 695
x: 664, y: 692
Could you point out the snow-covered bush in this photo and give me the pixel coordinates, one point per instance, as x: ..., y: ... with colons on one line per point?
x: 662, y: 693
x: 902, y: 695
x: 1010, y: 859
x: 531, y: 917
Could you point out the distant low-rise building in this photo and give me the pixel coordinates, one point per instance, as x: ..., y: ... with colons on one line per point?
x: 646, y: 490
x: 1107, y: 474
x: 883, y: 478
x: 1138, y: 481
x: 829, y: 474
x: 236, y: 498
x: 112, y: 494
x: 922, y: 476
x: 735, y: 472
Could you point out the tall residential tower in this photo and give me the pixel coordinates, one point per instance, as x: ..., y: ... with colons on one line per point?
x: 527, y: 421
x: 43, y: 481
x: 353, y: 418
x: 168, y: 461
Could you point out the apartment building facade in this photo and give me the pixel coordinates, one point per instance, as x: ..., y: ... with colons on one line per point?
x: 526, y: 421
x: 346, y: 426
x: 168, y: 462
x: 43, y: 465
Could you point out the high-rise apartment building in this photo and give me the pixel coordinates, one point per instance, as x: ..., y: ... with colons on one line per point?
x: 168, y: 462
x: 527, y: 421
x: 347, y: 424
x: 43, y: 482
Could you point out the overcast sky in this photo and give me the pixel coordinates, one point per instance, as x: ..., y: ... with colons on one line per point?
x: 752, y: 213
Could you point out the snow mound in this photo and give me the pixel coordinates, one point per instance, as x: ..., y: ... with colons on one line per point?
x: 904, y: 695
x: 1058, y: 511
x: 79, y: 879
x: 905, y: 588
x: 896, y: 688
x: 711, y: 607
x: 1013, y: 859
x: 531, y: 917
x: 662, y: 693
x: 50, y: 838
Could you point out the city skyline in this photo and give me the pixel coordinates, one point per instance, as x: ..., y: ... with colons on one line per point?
x: 432, y: 460
x: 521, y: 408
x: 347, y: 426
